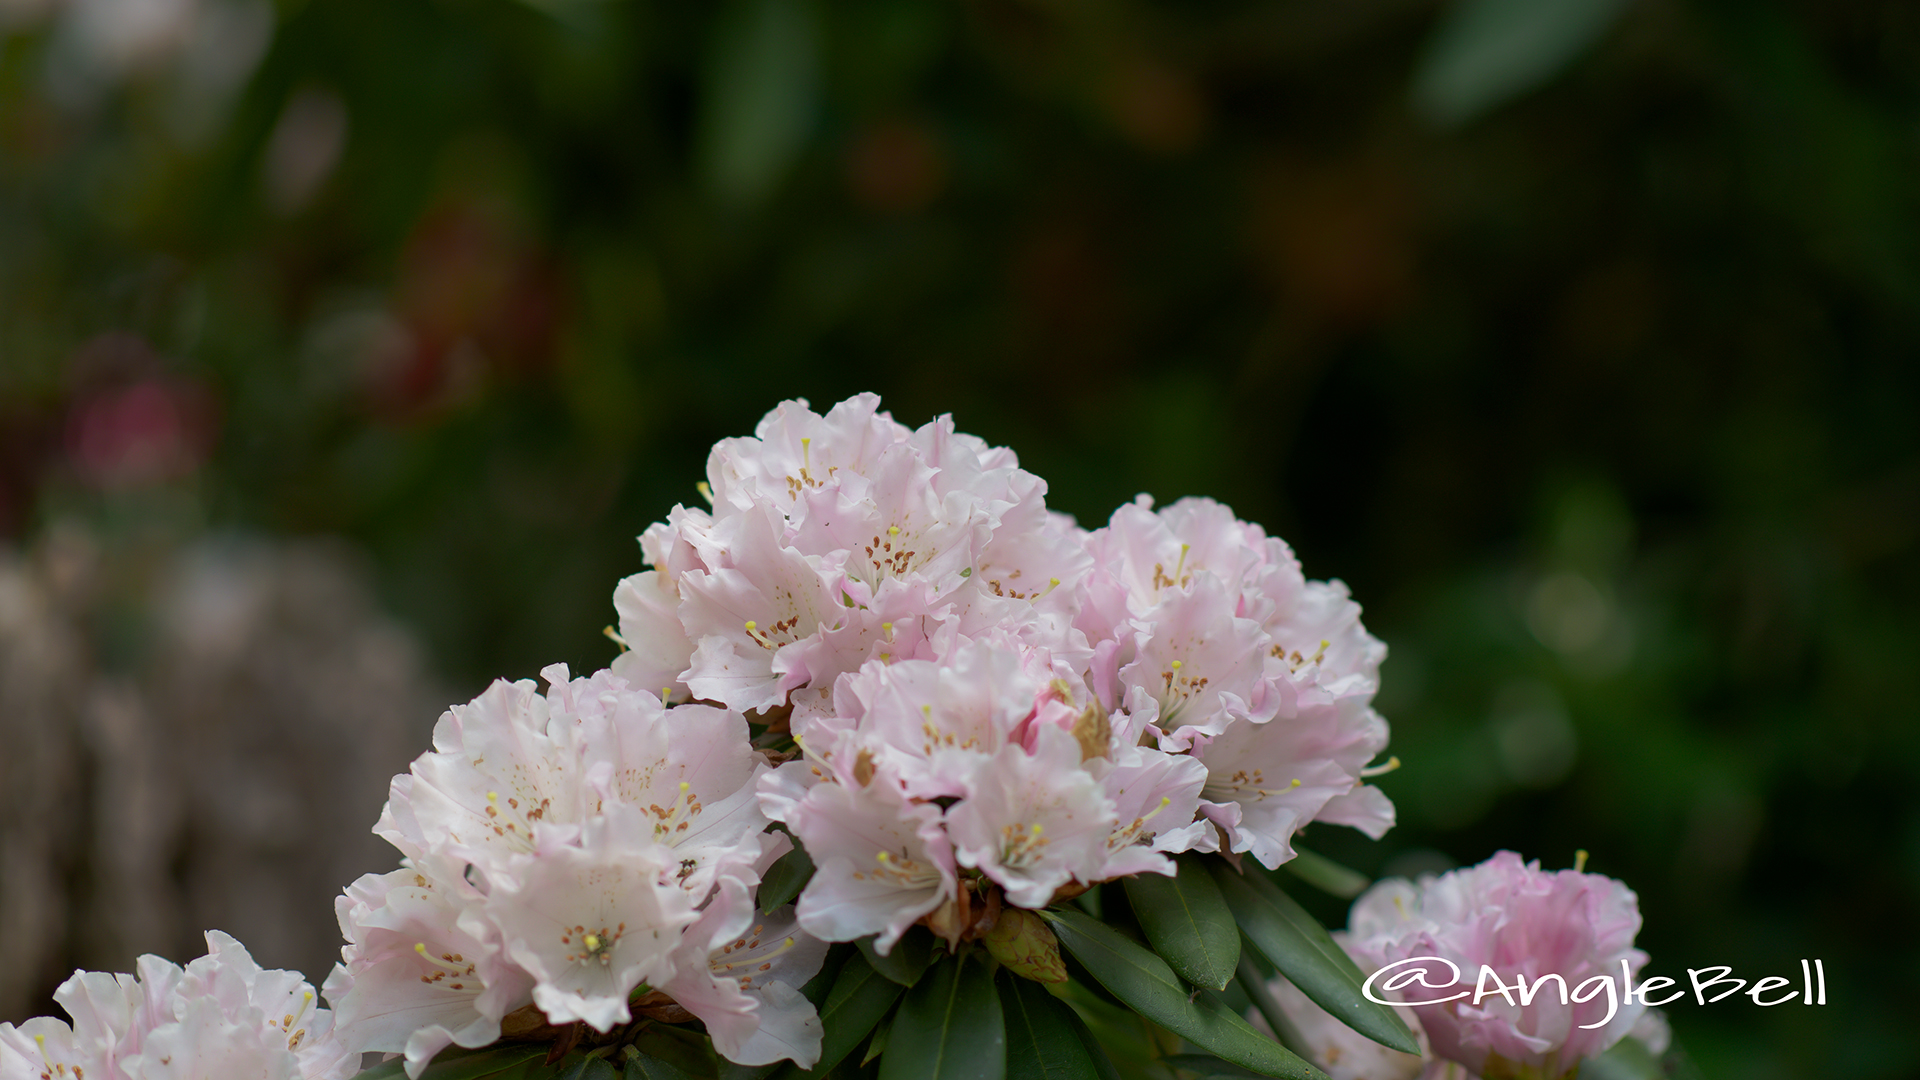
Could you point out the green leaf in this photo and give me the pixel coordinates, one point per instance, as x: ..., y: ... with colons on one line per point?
x: 1145, y: 982
x: 909, y: 958
x: 758, y: 98
x: 458, y: 1064
x: 586, y: 1067
x: 1041, y: 1041
x: 689, y: 1051
x: 1103, y: 1066
x: 878, y: 1044
x: 1186, y: 921
x: 1254, y: 983
x: 859, y: 998
x: 1486, y: 52
x: 1326, y: 875
x: 1628, y: 1059
x: 949, y: 1028
x: 644, y: 1066
x: 784, y: 879
x: 1207, y: 1065
x: 1307, y: 955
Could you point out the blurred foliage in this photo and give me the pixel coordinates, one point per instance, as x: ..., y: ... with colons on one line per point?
x: 1578, y: 338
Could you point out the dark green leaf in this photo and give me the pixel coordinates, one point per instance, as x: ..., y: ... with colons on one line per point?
x: 1628, y: 1059
x: 859, y: 998
x: 878, y: 1044
x: 1041, y: 1041
x: 459, y: 1064
x: 1306, y: 954
x: 1186, y: 921
x: 1145, y: 982
x: 1486, y: 52
x: 1326, y: 875
x: 1103, y: 1066
x: 686, y: 1050
x: 1207, y: 1065
x: 758, y: 103
x: 909, y: 958
x: 949, y: 1027
x: 644, y: 1066
x: 784, y: 879
x: 585, y: 1067
x: 1253, y: 982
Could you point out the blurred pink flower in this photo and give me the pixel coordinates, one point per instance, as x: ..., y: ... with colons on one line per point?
x: 1524, y: 924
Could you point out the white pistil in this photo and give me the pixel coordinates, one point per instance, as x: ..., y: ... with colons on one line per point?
x: 1391, y: 764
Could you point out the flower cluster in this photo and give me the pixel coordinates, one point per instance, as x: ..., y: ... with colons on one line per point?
x: 566, y: 850
x: 1521, y: 923
x: 985, y: 694
x: 221, y: 1016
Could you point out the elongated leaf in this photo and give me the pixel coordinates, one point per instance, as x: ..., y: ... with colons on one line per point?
x: 1255, y: 986
x: 1206, y: 1065
x: 1307, y: 955
x: 878, y: 1044
x: 1486, y: 52
x: 1041, y: 1042
x: 689, y: 1051
x: 644, y: 1066
x: 907, y: 961
x: 859, y: 998
x: 949, y: 1028
x: 1103, y: 1066
x: 784, y: 879
x: 586, y: 1067
x: 1129, y: 1042
x: 1326, y: 875
x: 1145, y: 982
x: 462, y: 1064
x: 1187, y: 923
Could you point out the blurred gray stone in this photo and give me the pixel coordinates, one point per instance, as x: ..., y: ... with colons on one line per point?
x: 196, y: 739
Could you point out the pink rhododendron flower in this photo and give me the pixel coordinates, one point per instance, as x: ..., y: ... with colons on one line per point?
x: 223, y: 1016
x: 741, y: 972
x: 558, y: 848
x: 1519, y: 923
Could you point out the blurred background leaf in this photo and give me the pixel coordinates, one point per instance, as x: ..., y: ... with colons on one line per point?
x: 1485, y: 52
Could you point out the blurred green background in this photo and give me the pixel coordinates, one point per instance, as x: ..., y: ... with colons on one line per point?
x: 1578, y: 337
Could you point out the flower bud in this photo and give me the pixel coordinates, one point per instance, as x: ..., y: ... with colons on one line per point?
x: 1022, y: 941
